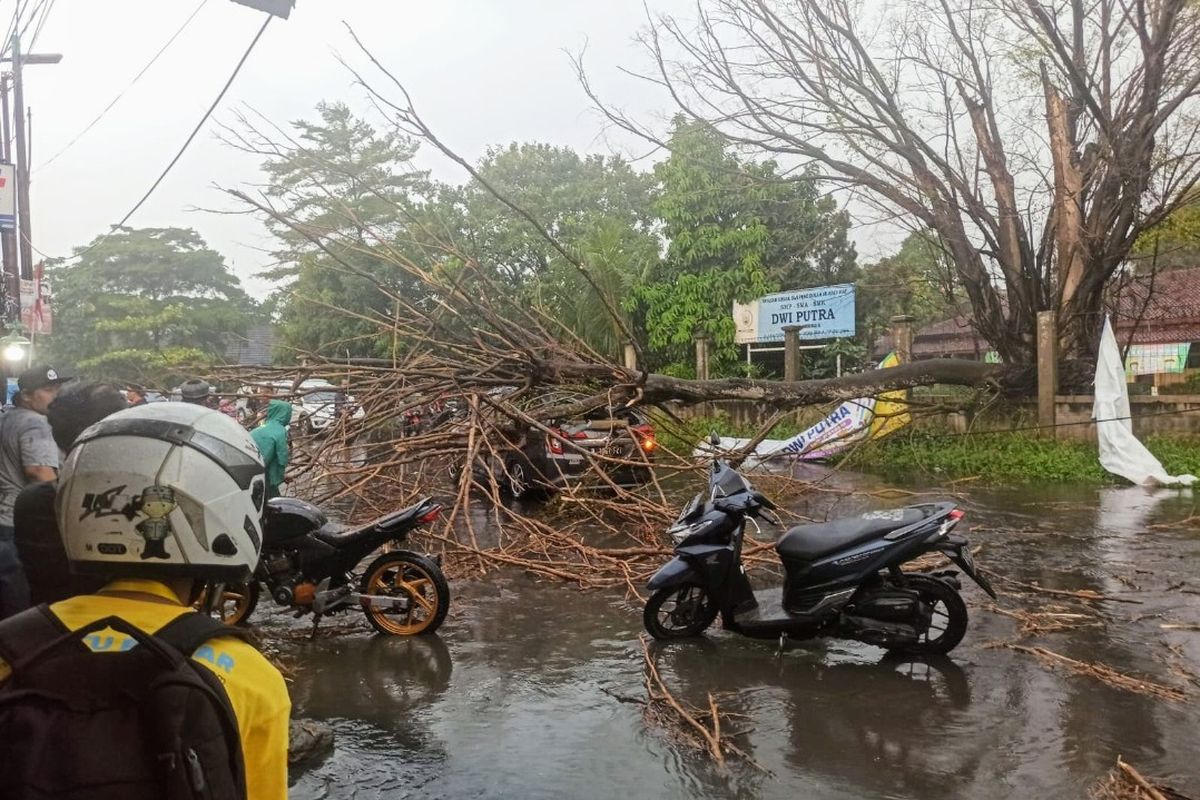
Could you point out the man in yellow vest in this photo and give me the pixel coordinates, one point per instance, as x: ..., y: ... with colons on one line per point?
x: 160, y: 499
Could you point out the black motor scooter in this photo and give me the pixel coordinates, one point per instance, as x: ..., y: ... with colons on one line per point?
x: 842, y: 579
x: 314, y: 566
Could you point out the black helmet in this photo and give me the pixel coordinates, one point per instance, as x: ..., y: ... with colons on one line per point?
x: 195, y: 390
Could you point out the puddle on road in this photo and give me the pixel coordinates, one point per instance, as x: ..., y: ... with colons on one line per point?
x: 521, y: 694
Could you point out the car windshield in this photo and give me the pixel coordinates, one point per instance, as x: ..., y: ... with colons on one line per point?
x: 318, y: 398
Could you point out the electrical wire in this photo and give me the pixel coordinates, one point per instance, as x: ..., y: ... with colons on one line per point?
x: 130, y: 85
x: 18, y: 12
x: 178, y: 155
x: 37, y: 31
x: 200, y: 124
x: 38, y: 9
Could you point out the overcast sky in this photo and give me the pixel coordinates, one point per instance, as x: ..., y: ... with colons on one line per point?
x: 482, y: 72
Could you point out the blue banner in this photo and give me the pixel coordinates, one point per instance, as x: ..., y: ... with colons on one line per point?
x: 823, y: 313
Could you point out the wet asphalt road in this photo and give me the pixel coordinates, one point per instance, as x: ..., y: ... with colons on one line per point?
x: 525, y: 691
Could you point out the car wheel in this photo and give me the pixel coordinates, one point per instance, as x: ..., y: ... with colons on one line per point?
x: 516, y: 477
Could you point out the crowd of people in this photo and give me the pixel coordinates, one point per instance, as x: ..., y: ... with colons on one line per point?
x: 116, y: 514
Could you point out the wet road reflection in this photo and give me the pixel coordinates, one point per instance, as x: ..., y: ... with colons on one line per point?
x: 521, y: 695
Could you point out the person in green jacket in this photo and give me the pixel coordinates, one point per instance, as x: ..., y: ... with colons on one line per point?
x: 272, y: 440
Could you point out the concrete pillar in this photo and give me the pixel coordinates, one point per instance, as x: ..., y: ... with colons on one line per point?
x: 701, y: 356
x: 1047, y: 352
x: 902, y: 337
x: 791, y: 353
x: 630, y: 356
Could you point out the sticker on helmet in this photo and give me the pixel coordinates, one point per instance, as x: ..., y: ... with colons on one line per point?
x: 157, y: 503
x: 104, y: 504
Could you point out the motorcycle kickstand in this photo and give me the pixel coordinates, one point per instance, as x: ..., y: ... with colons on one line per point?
x: 783, y: 638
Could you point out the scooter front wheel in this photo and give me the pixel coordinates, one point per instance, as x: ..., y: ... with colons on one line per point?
x: 236, y: 604
x: 679, y: 612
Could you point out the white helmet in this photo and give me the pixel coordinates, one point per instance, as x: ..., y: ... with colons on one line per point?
x: 163, y: 490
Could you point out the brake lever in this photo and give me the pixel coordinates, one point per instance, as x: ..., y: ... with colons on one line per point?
x: 772, y: 518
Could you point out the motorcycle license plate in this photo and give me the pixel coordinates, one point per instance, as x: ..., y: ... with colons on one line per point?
x: 612, y: 450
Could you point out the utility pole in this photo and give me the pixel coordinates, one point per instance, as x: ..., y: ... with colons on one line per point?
x: 8, y: 237
x: 24, y: 242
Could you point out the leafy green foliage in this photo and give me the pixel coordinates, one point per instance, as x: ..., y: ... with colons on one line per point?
x: 824, y: 364
x: 917, y: 280
x: 1172, y: 244
x: 139, y: 303
x: 346, y: 181
x: 735, y: 231
x: 1003, y: 457
x: 569, y: 196
x: 732, y: 230
x: 598, y: 208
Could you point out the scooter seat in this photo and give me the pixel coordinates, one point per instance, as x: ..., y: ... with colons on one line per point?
x: 339, y: 536
x: 810, y: 542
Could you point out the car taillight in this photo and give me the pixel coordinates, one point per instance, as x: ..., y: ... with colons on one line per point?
x: 430, y: 515
x: 553, y: 443
x: 645, y: 437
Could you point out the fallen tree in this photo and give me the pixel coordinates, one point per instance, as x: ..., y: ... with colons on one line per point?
x: 457, y: 337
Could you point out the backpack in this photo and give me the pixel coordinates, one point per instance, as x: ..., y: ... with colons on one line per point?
x: 146, y: 723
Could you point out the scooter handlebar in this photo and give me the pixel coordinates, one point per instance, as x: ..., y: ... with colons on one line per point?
x: 763, y: 513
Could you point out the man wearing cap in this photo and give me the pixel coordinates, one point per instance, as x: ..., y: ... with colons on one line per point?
x: 28, y: 454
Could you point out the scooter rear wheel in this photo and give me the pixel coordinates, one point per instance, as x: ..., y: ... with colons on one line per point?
x: 948, y: 622
x: 415, y: 578
x: 679, y: 612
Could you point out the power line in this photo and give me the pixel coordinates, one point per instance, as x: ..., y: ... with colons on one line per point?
x: 18, y: 12
x: 182, y: 149
x: 200, y: 124
x: 41, y: 6
x: 41, y: 23
x: 121, y: 94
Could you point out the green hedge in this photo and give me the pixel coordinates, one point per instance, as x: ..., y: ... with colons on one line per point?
x: 999, y: 457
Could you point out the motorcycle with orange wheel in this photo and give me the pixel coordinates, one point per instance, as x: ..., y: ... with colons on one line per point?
x: 311, y: 565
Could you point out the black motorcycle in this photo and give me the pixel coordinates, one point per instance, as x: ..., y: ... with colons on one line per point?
x: 841, y: 579
x: 312, y: 565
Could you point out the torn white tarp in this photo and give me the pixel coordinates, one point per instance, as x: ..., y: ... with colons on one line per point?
x: 1120, y: 451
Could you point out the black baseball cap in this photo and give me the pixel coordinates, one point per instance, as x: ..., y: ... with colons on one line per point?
x: 40, y: 377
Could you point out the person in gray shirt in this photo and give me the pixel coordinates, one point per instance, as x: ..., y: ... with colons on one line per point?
x: 28, y: 454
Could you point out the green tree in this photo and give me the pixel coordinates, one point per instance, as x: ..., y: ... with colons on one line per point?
x: 736, y: 231
x: 569, y: 196
x: 1174, y: 243
x: 356, y: 188
x: 617, y: 258
x: 138, y: 303
x: 917, y: 280
x: 596, y: 207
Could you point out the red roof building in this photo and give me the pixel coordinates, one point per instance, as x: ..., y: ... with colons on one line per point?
x: 1158, y: 309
